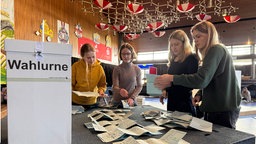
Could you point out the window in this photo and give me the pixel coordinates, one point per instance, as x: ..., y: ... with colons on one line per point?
x: 240, y: 50
x: 229, y: 48
x: 255, y: 49
x: 151, y: 56
x: 243, y: 62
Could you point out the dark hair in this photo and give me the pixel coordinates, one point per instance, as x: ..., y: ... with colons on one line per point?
x: 86, y: 48
x: 128, y: 46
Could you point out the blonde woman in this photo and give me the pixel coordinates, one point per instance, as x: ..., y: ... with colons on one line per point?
x: 88, y: 76
x: 181, y: 61
x: 220, y: 95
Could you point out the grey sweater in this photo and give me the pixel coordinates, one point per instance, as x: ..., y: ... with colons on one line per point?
x: 128, y: 77
x: 217, y: 79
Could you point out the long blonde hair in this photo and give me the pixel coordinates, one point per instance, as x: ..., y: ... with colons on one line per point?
x: 213, y: 37
x: 187, y: 48
x: 85, y: 49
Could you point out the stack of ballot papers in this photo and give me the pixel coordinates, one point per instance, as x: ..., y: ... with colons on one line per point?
x: 177, y: 119
x: 115, y: 125
x: 117, y: 133
x: 171, y: 137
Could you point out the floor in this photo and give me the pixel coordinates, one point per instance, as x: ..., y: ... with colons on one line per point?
x: 246, y: 122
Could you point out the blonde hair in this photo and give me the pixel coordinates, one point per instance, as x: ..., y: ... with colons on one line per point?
x: 213, y: 37
x: 85, y: 49
x: 187, y: 48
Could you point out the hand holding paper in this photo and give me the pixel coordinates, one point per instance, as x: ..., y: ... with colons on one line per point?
x: 163, y: 81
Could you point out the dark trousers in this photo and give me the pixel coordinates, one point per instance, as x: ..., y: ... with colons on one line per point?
x: 227, y: 119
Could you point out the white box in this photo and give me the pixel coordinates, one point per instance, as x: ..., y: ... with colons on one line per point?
x: 39, y: 92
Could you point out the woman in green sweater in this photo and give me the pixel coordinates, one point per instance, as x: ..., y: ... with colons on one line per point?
x: 219, y: 95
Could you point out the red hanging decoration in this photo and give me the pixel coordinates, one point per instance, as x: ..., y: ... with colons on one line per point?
x: 202, y: 17
x: 120, y: 28
x: 186, y: 7
x: 154, y: 26
x: 103, y: 4
x: 132, y: 36
x: 135, y: 8
x: 102, y: 26
x: 231, y: 18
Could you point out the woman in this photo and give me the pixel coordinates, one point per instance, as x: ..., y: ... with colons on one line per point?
x: 87, y: 76
x: 126, y: 77
x: 220, y: 95
x: 181, y: 61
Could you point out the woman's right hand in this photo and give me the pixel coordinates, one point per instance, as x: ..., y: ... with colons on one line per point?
x: 124, y: 93
x: 196, y: 99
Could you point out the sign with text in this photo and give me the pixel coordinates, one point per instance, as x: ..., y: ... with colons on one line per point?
x: 39, y: 92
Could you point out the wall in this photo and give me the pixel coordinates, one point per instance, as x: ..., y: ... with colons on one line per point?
x: 28, y: 15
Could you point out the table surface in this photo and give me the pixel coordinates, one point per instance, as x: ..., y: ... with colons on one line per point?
x: 81, y: 135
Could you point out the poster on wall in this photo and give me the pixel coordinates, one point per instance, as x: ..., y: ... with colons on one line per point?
x: 102, y: 52
x: 7, y: 31
x: 62, y: 32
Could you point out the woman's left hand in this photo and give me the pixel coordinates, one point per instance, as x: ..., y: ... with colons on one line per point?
x: 130, y: 102
x: 163, y: 81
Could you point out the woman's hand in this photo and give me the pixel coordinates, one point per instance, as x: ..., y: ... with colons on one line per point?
x: 163, y: 81
x: 102, y: 94
x: 130, y: 102
x: 124, y: 93
x: 196, y: 99
x: 163, y: 96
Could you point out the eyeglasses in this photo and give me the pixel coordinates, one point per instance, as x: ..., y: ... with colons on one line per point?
x: 126, y: 54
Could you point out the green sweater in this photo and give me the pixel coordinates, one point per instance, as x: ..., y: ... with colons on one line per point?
x: 217, y: 79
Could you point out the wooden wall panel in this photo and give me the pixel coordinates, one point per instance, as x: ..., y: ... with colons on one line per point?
x: 28, y: 15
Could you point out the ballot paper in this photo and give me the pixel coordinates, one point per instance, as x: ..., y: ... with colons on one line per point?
x: 129, y: 140
x: 152, y: 141
x: 181, y: 116
x: 111, y: 136
x: 125, y: 104
x: 160, y: 122
x: 77, y: 109
x: 151, y: 114
x: 153, y: 128
x: 173, y: 136
x: 104, y: 123
x: 98, y: 127
x: 86, y: 94
x: 151, y: 89
x: 200, y: 124
x: 139, y: 131
x: 115, y: 133
x: 126, y: 123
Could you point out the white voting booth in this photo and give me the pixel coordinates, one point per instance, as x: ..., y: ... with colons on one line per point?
x: 39, y: 92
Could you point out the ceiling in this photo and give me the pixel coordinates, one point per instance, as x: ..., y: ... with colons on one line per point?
x: 238, y: 33
x: 165, y: 11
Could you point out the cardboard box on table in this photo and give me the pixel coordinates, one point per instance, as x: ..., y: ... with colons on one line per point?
x: 39, y: 92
